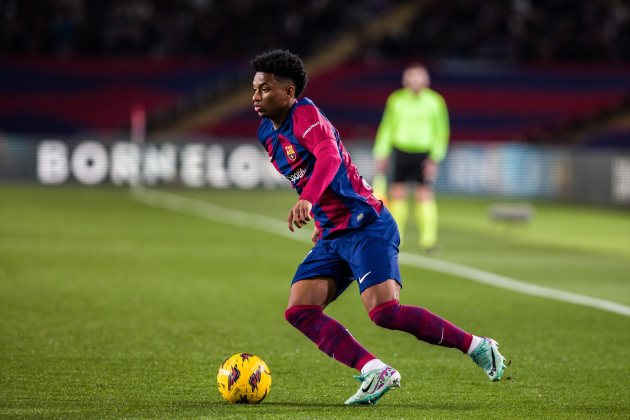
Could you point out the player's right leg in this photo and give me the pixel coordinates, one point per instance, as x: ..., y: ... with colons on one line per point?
x: 307, y: 299
x: 320, y: 278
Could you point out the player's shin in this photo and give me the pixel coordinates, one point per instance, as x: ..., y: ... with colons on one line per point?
x: 421, y: 323
x: 330, y: 336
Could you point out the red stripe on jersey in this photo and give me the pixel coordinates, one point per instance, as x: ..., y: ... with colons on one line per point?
x: 269, y: 148
x: 357, y: 182
x: 334, y: 209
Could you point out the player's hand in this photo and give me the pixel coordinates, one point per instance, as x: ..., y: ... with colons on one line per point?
x: 430, y: 170
x: 299, y: 215
x: 315, y: 236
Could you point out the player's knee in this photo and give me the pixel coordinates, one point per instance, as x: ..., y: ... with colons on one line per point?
x: 384, y: 316
x: 296, y: 315
x: 380, y: 320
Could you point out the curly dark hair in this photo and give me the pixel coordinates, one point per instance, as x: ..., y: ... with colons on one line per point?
x: 285, y: 66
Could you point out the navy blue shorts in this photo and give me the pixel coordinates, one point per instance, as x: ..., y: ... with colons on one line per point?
x: 368, y: 255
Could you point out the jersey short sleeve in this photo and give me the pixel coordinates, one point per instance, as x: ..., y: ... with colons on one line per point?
x: 310, y: 126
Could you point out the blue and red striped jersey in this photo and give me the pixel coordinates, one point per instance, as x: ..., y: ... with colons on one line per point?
x: 346, y: 203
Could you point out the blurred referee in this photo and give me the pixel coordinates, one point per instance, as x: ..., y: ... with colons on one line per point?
x: 415, y: 132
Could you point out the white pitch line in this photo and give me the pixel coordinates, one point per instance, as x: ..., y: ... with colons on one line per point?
x: 220, y: 214
x: 510, y: 284
x: 216, y: 213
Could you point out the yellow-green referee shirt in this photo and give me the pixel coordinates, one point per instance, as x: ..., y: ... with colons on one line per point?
x: 414, y: 124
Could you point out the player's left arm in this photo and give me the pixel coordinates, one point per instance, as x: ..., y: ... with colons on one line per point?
x: 316, y: 134
x: 326, y: 165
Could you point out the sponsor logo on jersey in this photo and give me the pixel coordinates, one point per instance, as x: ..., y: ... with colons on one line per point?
x: 310, y: 128
x: 290, y: 152
x: 233, y: 376
x: 296, y: 175
x: 254, y: 380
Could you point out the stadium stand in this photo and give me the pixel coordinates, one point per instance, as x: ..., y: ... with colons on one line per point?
x: 502, y: 104
x: 74, y: 65
x: 521, y: 30
x: 50, y: 96
x: 166, y: 28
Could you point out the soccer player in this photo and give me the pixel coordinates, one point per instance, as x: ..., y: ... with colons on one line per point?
x: 415, y: 130
x: 355, y: 236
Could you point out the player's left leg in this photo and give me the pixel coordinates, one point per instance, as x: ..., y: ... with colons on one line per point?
x: 382, y: 303
x: 380, y: 289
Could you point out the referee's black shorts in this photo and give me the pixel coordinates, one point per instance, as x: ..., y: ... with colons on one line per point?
x: 409, y: 167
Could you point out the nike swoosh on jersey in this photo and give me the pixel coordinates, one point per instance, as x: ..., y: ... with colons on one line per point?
x: 361, y: 278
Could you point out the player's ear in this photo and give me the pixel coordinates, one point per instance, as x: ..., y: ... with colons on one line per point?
x: 290, y: 91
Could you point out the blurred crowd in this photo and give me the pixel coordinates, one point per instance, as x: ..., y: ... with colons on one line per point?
x: 164, y: 28
x: 522, y: 30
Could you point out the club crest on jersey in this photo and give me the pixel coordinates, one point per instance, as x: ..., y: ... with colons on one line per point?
x: 290, y: 152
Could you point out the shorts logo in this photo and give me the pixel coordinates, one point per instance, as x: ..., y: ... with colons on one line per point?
x: 290, y: 152
x: 363, y: 278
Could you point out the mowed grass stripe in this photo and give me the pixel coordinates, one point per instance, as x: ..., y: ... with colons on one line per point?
x: 113, y: 309
x: 239, y: 218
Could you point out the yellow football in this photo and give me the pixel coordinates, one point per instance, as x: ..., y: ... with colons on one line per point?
x: 244, y: 378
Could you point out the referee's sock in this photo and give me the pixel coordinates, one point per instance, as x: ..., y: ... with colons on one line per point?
x: 427, y: 218
x: 400, y: 210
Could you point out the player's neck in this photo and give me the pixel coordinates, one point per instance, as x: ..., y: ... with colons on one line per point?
x: 282, y: 117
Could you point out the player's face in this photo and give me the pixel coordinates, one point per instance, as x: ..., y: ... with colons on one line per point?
x: 271, y: 98
x: 416, y: 79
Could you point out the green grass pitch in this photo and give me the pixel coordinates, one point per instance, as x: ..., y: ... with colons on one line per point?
x: 113, y: 309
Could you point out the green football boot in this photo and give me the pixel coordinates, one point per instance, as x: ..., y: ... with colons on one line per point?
x: 374, y: 385
x: 487, y: 357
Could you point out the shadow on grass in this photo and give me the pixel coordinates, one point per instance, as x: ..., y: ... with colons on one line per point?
x: 337, y: 405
